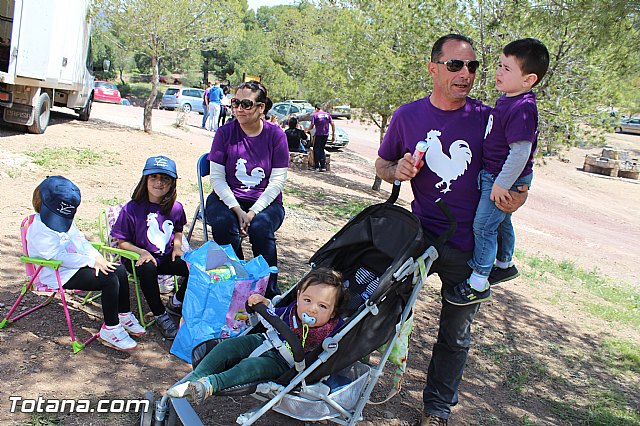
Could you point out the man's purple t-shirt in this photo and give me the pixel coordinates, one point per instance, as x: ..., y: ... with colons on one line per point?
x: 452, y: 162
x: 248, y: 160
x: 144, y: 225
x: 321, y: 120
x: 514, y: 119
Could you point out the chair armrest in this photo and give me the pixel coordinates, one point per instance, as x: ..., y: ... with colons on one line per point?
x: 53, y: 264
x: 97, y: 246
x: 120, y: 252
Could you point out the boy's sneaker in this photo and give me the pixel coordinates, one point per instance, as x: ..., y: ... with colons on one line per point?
x: 173, y: 309
x: 131, y: 324
x: 167, y: 327
x: 199, y: 390
x: 500, y: 275
x: 462, y: 294
x: 117, y: 338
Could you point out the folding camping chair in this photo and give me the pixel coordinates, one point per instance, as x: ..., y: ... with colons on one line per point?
x: 33, y: 266
x: 106, y: 219
x: 203, y: 170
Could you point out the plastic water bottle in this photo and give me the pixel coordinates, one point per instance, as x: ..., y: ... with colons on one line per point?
x: 421, y: 148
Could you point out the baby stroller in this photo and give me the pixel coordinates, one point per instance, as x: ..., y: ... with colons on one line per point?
x: 382, y: 256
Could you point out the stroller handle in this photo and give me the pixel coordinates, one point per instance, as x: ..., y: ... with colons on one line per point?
x: 395, y: 192
x: 282, y: 328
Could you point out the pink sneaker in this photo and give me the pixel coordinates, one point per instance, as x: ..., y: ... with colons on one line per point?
x: 117, y: 338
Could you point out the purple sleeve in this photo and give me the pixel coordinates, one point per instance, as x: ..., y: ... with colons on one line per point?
x: 181, y: 221
x: 124, y: 228
x: 218, y: 152
x: 392, y: 147
x: 280, y: 150
x: 522, y: 124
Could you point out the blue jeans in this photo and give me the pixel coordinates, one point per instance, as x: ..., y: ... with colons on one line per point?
x: 226, y: 230
x: 205, y: 114
x: 451, y: 349
x: 492, y: 228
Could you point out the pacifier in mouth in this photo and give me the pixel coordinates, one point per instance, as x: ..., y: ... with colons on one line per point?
x: 306, y: 318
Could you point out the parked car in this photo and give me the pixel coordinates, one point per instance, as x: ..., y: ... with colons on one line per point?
x: 628, y: 125
x: 186, y: 98
x: 165, y: 80
x: 342, y: 137
x: 106, y: 92
x: 340, y: 111
x: 284, y: 110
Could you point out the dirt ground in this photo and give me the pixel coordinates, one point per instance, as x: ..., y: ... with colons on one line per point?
x: 591, y: 220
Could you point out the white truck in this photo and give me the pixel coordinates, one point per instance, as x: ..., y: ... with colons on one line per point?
x: 45, y: 60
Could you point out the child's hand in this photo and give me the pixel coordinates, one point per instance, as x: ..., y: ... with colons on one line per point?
x: 145, y: 257
x: 103, y: 265
x: 177, y: 252
x: 254, y: 299
x: 499, y: 194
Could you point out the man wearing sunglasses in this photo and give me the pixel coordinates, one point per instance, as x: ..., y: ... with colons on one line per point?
x: 452, y: 124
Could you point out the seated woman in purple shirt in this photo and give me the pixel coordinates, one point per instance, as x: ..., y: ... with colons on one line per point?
x: 249, y: 161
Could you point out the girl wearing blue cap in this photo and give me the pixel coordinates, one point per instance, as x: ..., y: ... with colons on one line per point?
x: 151, y: 225
x: 53, y: 235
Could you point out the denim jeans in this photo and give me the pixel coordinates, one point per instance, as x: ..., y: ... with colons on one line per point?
x: 213, y: 112
x: 492, y: 228
x: 319, y: 156
x: 228, y: 363
x: 226, y: 230
x: 450, y: 351
x: 205, y: 114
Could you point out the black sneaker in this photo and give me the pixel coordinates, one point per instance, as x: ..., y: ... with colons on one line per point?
x: 500, y: 275
x: 431, y: 420
x: 167, y: 327
x: 462, y: 294
x: 173, y: 309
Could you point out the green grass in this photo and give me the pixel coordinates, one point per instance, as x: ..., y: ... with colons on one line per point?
x: 621, y: 356
x: 605, y: 408
x: 63, y: 158
x: 141, y: 90
x: 42, y: 420
x: 622, y: 300
x: 347, y: 209
x: 87, y: 226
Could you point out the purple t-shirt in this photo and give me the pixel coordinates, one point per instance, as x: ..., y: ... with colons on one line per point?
x: 248, y: 160
x: 144, y: 225
x: 452, y: 162
x: 321, y: 122
x: 513, y: 119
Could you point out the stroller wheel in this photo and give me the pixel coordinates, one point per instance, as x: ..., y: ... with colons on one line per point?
x: 146, y: 417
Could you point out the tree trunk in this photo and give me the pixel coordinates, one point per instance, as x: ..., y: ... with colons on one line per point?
x: 383, y: 129
x: 148, y: 104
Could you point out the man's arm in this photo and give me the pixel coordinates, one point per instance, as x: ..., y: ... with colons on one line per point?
x: 401, y: 170
x: 333, y: 131
x: 517, y: 200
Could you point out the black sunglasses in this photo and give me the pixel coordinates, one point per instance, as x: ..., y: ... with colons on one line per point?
x: 244, y: 103
x: 455, y: 65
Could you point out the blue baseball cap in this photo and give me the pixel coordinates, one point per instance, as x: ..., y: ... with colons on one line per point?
x: 160, y: 164
x: 60, y: 200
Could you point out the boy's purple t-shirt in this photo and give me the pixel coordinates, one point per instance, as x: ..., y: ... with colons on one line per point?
x: 514, y: 119
x: 248, y: 160
x: 144, y: 225
x: 321, y: 120
x: 452, y: 162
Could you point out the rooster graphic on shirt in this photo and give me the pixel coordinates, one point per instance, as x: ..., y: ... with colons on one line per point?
x: 248, y: 180
x: 156, y: 236
x: 447, y: 167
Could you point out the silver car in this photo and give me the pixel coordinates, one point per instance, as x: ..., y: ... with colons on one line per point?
x: 185, y: 98
x: 342, y: 137
x: 628, y: 125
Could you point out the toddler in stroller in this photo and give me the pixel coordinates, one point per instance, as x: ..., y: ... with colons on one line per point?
x: 313, y: 316
x: 383, y: 260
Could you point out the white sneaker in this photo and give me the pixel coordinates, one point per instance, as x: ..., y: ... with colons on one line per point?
x: 117, y: 338
x: 131, y: 324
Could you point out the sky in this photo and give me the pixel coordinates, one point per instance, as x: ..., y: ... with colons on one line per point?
x: 255, y: 4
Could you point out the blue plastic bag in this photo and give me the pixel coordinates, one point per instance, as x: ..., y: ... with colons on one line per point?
x: 218, y: 287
